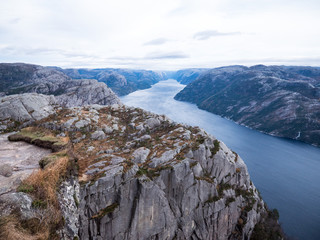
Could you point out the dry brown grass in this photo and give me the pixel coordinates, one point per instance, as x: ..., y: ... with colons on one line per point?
x: 12, y: 229
x: 46, y: 220
x: 45, y: 182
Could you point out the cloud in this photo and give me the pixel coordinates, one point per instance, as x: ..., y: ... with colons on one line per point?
x: 15, y: 20
x: 168, y: 55
x: 204, y: 35
x: 157, y: 41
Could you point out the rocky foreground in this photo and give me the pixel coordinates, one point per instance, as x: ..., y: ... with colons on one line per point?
x: 119, y: 172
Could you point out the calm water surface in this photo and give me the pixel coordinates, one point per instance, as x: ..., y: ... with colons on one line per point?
x: 286, y: 172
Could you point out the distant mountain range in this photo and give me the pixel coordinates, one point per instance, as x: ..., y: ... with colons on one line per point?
x: 18, y: 78
x: 186, y: 76
x: 121, y: 81
x: 278, y: 100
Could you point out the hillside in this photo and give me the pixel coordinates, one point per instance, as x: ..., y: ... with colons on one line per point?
x: 278, y: 100
x: 121, y: 81
x: 18, y: 78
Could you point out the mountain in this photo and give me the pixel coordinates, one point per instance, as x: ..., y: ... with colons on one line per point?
x: 121, y: 81
x: 186, y: 76
x: 278, y: 100
x: 20, y: 78
x: 120, y: 172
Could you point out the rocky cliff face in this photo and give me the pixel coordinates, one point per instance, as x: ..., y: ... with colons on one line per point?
x: 282, y: 101
x: 27, y: 78
x: 144, y: 177
x: 131, y: 175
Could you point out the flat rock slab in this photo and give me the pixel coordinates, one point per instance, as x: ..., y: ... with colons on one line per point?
x: 22, y: 157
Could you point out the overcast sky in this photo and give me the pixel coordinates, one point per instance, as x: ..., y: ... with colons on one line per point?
x: 164, y: 35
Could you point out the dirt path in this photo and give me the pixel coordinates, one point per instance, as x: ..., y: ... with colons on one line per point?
x: 22, y: 157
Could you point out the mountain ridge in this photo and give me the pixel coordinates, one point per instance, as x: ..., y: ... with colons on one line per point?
x: 272, y: 99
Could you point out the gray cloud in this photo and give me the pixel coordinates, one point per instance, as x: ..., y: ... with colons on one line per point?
x: 204, y: 35
x: 169, y: 55
x: 15, y: 20
x: 158, y: 41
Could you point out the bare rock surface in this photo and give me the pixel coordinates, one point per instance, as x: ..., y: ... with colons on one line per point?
x: 23, y: 159
x: 25, y: 108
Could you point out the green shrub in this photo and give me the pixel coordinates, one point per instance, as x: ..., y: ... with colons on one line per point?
x: 26, y: 188
x: 39, y: 204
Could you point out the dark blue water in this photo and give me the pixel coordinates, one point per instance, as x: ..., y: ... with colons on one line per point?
x: 286, y: 172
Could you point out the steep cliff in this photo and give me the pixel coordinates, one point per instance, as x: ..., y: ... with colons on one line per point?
x: 124, y: 173
x: 282, y: 101
x: 144, y: 177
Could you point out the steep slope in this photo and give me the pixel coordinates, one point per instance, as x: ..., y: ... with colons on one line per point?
x: 121, y: 81
x: 282, y: 101
x: 26, y: 78
x: 134, y: 175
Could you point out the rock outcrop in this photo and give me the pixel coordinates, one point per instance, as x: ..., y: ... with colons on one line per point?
x: 86, y: 92
x: 143, y: 176
x: 282, y: 101
x: 26, y: 78
x: 24, y: 108
x: 134, y: 175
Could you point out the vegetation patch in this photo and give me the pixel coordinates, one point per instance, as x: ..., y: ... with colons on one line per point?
x: 230, y: 200
x: 221, y: 187
x: 39, y: 204
x: 268, y: 227
x: 105, y: 211
x: 216, y: 147
x: 236, y: 154
x: 152, y: 172
x: 212, y: 199
x: 200, y: 139
x: 40, y: 137
x: 26, y: 188
x: 193, y: 164
x: 42, y: 185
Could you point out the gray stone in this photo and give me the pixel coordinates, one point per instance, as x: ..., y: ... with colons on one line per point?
x: 107, y: 129
x: 26, y: 107
x: 90, y: 148
x: 82, y: 123
x: 69, y: 200
x: 152, y: 122
x: 6, y: 170
x: 98, y: 135
x: 20, y: 201
x: 140, y: 155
